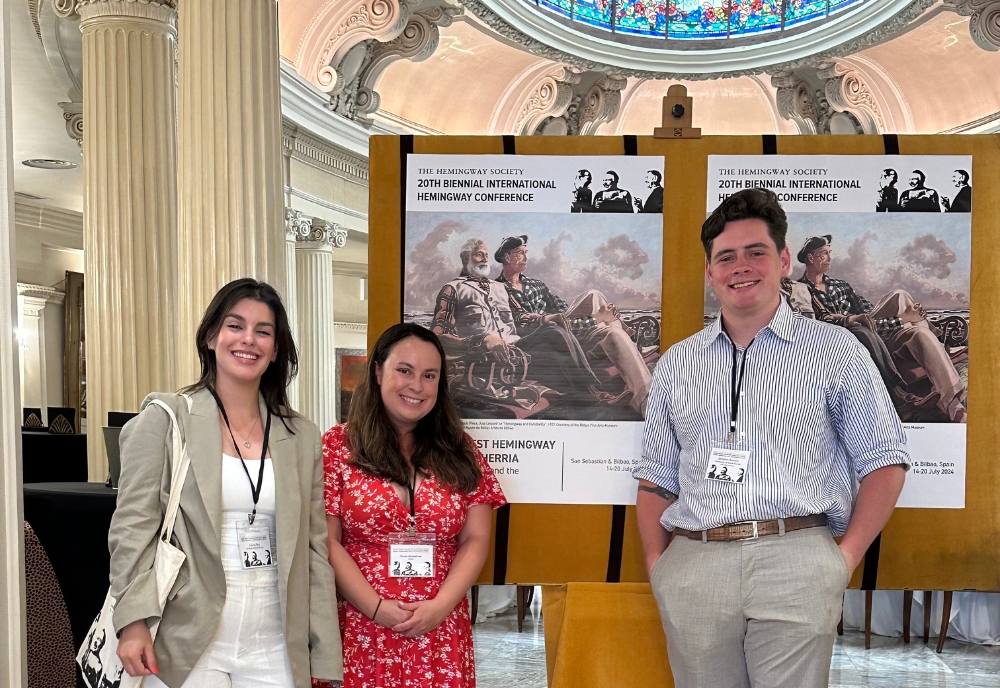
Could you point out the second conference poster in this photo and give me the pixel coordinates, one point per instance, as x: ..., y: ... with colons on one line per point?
x: 881, y: 245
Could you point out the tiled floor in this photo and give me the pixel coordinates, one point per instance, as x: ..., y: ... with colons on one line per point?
x: 506, y: 658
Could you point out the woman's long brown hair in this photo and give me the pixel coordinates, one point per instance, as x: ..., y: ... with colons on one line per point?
x: 440, y: 447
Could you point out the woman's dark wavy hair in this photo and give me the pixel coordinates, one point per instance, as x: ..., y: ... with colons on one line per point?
x: 440, y: 446
x: 274, y: 383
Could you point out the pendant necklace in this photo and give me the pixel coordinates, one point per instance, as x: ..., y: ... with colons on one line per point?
x: 246, y: 442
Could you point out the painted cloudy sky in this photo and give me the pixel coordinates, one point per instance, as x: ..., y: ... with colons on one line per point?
x: 927, y: 254
x: 620, y: 255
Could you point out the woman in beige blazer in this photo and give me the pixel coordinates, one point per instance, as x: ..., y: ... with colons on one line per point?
x: 254, y: 602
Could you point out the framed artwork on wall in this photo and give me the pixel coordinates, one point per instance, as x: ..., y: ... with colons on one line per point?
x: 351, y: 365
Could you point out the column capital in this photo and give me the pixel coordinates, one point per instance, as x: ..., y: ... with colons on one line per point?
x: 73, y: 114
x: 303, y: 228
x: 156, y: 10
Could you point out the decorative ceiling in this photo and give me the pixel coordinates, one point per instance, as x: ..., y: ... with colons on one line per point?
x: 694, y: 39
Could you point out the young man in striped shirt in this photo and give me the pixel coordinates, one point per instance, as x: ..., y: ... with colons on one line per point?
x: 750, y: 589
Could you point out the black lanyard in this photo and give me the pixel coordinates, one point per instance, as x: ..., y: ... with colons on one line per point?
x: 411, y: 488
x: 255, y: 491
x: 737, y: 388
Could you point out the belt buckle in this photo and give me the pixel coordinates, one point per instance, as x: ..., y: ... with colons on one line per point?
x: 755, y: 535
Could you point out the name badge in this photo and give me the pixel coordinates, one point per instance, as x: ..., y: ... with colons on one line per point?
x: 256, y: 548
x: 412, y: 555
x: 727, y: 463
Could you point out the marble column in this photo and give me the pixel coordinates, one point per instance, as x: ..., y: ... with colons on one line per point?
x: 294, y: 223
x: 317, y: 348
x: 129, y: 206
x: 13, y: 657
x: 230, y: 202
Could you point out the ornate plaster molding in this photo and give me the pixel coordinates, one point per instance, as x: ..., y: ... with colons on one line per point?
x: 879, y: 33
x: 984, y: 21
x: 601, y: 104
x: 296, y: 224
x: 361, y: 67
x: 796, y: 101
x: 340, y: 27
x: 551, y: 97
x: 312, y: 150
x: 313, y: 229
x: 37, y: 291
x: 832, y: 98
x: 156, y: 10
x: 73, y: 115
x: 350, y: 327
x: 570, y: 102
x: 847, y: 91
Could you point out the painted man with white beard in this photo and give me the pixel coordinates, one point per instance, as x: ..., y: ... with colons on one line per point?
x: 473, y: 316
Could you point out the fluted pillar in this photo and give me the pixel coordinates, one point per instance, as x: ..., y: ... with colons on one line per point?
x: 293, y: 219
x: 317, y: 348
x: 129, y: 207
x: 230, y: 202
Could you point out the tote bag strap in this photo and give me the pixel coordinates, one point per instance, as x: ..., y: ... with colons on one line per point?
x: 179, y: 463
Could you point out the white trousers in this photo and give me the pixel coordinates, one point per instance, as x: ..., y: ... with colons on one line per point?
x: 249, y: 648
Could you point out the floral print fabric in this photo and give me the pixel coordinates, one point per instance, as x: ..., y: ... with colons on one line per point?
x: 370, y: 511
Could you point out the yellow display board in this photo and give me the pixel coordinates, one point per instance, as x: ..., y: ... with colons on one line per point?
x: 923, y: 549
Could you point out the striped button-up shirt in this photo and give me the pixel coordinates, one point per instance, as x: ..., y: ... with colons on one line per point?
x: 813, y: 412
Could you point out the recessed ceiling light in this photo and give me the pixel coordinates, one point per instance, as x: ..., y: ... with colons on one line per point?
x: 50, y: 164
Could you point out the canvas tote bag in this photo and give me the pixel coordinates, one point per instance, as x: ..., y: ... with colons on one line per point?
x: 98, y: 657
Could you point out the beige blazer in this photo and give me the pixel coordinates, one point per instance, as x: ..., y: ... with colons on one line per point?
x: 194, y: 606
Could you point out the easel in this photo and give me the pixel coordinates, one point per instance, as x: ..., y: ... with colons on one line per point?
x: 677, y: 112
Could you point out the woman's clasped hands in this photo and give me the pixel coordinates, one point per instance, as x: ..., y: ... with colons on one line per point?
x: 425, y: 616
x: 411, y: 619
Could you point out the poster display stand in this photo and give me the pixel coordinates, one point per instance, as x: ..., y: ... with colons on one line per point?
x: 922, y: 549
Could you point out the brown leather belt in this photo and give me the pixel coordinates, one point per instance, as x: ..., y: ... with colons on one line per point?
x: 751, y: 530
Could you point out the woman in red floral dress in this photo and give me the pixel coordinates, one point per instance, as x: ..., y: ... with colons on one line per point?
x: 403, y: 461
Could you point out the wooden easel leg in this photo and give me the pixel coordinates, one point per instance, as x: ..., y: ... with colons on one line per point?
x: 522, y: 597
x: 868, y: 618
x: 928, y: 602
x: 907, y: 609
x: 945, y: 619
x: 474, y: 612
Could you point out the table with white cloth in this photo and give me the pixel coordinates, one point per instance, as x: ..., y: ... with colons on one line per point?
x: 975, y: 616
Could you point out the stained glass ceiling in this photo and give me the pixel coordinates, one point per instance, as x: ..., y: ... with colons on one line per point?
x: 694, y: 19
x: 694, y: 38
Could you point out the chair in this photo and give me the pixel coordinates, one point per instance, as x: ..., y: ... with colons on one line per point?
x: 525, y: 595
x: 49, y: 638
x: 928, y: 599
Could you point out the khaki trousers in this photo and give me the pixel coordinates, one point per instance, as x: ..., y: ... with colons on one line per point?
x: 754, y: 613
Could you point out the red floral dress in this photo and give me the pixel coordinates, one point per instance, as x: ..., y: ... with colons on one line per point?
x: 370, y: 510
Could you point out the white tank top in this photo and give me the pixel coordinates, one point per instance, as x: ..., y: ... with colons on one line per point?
x: 237, y: 502
x: 236, y: 494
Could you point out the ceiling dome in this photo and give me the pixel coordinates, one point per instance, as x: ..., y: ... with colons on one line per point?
x: 695, y: 39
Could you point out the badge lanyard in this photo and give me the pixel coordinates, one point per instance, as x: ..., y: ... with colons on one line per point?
x: 254, y: 491
x: 411, y: 554
x: 411, y: 487
x: 737, y: 388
